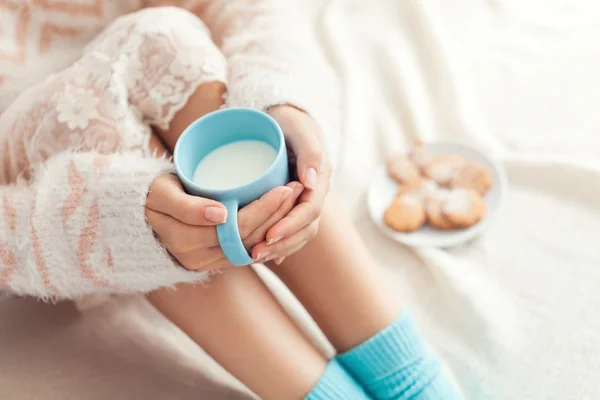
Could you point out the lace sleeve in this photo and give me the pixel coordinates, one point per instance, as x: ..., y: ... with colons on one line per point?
x: 272, y: 57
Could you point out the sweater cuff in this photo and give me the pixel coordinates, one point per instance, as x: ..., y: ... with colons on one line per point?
x: 315, y: 93
x: 140, y: 261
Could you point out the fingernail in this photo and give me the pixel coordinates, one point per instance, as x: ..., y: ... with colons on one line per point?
x: 217, y: 215
x: 286, y: 193
x: 274, y: 240
x: 279, y: 260
x: 311, y: 178
x: 262, y: 257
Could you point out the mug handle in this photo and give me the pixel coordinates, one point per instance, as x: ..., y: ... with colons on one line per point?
x: 229, y: 236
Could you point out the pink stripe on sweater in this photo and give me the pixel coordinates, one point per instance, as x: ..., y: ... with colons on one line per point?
x: 9, y: 212
x: 37, y: 251
x: 10, y: 265
x: 96, y: 9
x: 78, y: 190
x: 87, y: 240
x: 19, y: 33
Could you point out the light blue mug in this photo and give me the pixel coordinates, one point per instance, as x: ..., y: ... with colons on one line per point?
x: 215, y: 130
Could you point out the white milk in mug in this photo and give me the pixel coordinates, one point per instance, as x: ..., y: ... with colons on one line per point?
x: 234, y: 164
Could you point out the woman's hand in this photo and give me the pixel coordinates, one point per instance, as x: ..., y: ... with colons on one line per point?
x: 186, y: 224
x: 307, y: 152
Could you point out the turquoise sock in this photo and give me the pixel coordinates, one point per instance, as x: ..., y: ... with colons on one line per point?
x: 395, y: 365
x: 336, y: 384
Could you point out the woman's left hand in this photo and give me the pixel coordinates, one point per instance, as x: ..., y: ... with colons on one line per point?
x: 307, y: 152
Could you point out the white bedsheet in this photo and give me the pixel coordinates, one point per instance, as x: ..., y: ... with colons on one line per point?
x: 515, y: 314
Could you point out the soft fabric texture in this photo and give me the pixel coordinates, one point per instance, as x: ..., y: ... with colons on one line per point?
x: 268, y: 45
x: 336, y: 384
x: 395, y: 364
x: 63, y: 235
x: 74, y: 224
x: 513, y: 314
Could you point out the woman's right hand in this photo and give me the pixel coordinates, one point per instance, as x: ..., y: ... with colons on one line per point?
x: 186, y: 224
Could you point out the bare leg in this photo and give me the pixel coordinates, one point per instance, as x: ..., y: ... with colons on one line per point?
x: 339, y: 283
x: 238, y: 322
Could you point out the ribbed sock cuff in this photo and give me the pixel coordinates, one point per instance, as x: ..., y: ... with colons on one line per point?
x: 395, y: 364
x: 336, y: 384
x: 396, y: 345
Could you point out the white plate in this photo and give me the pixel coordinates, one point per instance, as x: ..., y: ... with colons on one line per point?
x: 383, y: 190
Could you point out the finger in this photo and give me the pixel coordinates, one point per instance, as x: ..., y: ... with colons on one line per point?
x: 264, y: 251
x: 309, y: 160
x: 256, y: 213
x: 309, y: 208
x: 301, y: 216
x: 190, y: 237
x: 281, y: 259
x: 292, y: 251
x: 168, y: 197
x: 196, y: 248
x: 205, y: 259
x: 260, y: 233
x: 180, y: 237
x: 308, y: 148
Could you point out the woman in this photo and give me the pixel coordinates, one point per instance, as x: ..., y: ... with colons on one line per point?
x: 76, y: 223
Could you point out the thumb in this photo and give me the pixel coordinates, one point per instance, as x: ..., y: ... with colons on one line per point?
x: 309, y: 160
x: 166, y: 196
x: 302, y: 134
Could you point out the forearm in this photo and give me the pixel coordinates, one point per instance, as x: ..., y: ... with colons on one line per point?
x: 78, y: 227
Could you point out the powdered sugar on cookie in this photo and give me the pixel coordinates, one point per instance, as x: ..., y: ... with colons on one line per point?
x: 420, y: 156
x: 457, y: 201
x: 410, y: 199
x: 402, y: 169
x: 447, y: 188
x: 443, y: 168
x: 463, y: 207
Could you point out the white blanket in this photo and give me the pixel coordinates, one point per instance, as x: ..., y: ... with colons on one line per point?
x: 515, y: 313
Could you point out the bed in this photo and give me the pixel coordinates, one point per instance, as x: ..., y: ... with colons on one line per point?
x: 514, y: 314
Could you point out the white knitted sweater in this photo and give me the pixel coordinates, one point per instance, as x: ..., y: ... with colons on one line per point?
x: 75, y: 122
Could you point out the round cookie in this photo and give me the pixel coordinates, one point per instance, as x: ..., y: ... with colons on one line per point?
x: 463, y: 207
x: 424, y: 189
x: 443, y: 168
x: 420, y: 156
x: 474, y: 176
x: 405, y: 214
x: 435, y: 217
x: 412, y: 187
x: 429, y: 189
x: 402, y: 169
